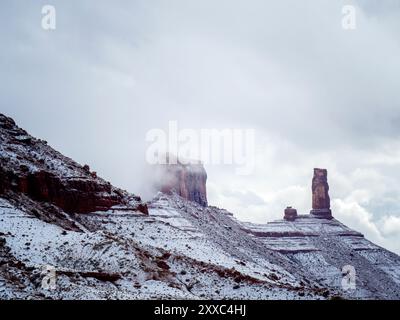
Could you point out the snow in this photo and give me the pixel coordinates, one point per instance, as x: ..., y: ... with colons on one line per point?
x: 207, y: 250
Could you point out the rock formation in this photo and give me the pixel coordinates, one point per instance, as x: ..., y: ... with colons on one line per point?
x: 30, y: 167
x: 320, y: 196
x: 290, y: 214
x: 187, y: 180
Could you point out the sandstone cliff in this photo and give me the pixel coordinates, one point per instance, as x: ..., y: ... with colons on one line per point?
x: 187, y: 180
x: 29, y: 167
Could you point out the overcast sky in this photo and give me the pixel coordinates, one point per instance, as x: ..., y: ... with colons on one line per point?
x: 315, y: 94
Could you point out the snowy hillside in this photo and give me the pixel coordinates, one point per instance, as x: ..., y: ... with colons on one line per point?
x: 67, y: 234
x: 182, y: 250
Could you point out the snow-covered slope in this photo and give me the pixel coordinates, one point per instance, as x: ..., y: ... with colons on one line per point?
x: 182, y: 250
x: 169, y: 248
x: 122, y: 254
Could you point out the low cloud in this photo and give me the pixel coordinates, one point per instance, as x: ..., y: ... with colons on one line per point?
x: 384, y: 232
x: 391, y: 226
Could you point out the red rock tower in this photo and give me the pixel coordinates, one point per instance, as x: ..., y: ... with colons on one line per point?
x: 321, y: 203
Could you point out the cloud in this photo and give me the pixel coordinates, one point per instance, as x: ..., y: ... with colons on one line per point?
x: 246, y: 198
x: 351, y: 213
x: 391, y: 226
x: 317, y: 96
x: 384, y: 232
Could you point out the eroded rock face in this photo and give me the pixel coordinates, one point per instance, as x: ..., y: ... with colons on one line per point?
x: 29, y: 166
x: 71, y: 195
x: 320, y: 194
x: 187, y: 180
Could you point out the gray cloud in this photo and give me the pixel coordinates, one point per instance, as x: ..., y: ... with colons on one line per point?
x: 317, y: 95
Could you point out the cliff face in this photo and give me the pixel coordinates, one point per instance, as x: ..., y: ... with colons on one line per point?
x: 72, y: 195
x: 28, y: 166
x: 187, y: 180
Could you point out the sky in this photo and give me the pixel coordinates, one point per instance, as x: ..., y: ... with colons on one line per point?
x: 315, y: 94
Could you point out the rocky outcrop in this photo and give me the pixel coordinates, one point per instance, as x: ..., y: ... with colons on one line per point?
x: 71, y: 195
x: 290, y: 214
x: 320, y: 194
x: 31, y: 167
x: 187, y: 180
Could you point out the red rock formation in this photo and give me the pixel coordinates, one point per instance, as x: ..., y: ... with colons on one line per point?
x: 290, y: 214
x: 187, y: 180
x: 320, y: 194
x: 29, y: 166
